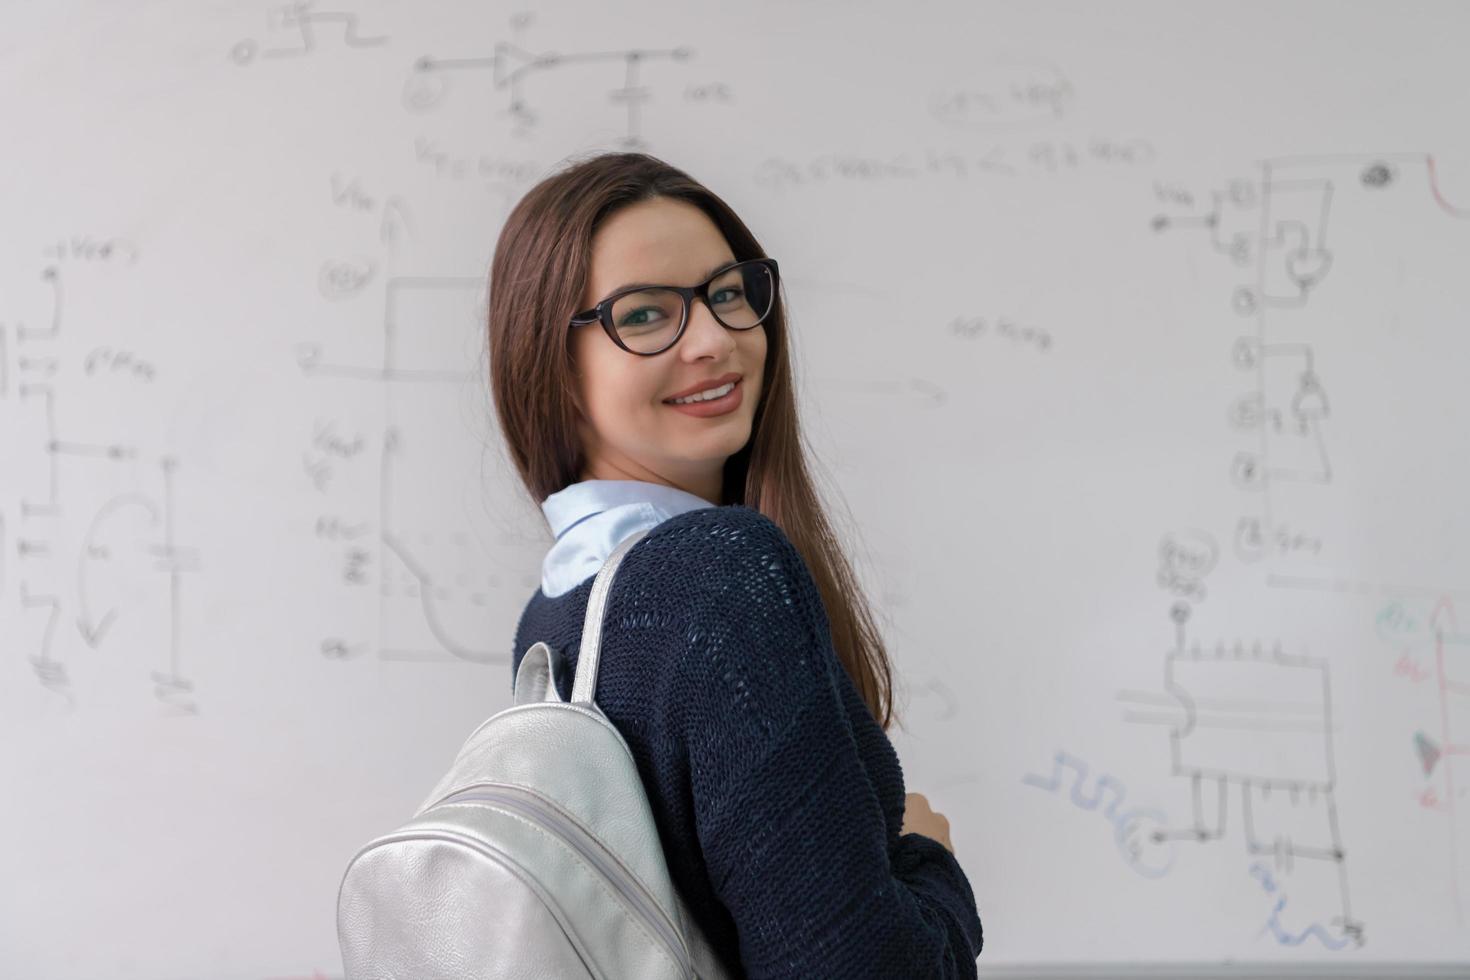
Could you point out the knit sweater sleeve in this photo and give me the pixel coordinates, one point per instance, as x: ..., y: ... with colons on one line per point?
x: 789, y: 822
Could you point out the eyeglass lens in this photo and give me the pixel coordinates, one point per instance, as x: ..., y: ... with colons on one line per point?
x: 740, y: 297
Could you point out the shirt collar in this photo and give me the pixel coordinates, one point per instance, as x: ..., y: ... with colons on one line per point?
x: 592, y: 517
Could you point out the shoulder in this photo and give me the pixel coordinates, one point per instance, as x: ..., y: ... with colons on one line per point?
x: 725, y: 518
x: 755, y: 636
x: 732, y: 532
x: 730, y: 551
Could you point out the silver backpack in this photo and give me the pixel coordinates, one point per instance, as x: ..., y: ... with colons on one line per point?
x: 536, y: 856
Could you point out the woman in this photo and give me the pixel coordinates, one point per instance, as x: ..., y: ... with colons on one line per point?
x: 739, y: 661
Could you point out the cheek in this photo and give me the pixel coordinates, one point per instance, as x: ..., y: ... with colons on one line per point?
x: 620, y: 396
x: 602, y: 382
x: 754, y: 357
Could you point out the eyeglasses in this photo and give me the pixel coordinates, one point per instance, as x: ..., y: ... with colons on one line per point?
x: 649, y: 320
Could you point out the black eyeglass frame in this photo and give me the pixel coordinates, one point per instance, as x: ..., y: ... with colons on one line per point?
x: 602, y: 312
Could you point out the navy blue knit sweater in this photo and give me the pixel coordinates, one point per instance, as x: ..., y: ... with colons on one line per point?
x: 778, y: 798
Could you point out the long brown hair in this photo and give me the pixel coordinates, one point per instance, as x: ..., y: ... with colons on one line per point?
x: 537, y: 278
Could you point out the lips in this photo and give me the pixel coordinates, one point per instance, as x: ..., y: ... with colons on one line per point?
x: 713, y: 408
x: 695, y: 389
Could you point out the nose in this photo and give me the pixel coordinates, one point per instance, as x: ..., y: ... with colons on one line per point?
x: 703, y: 334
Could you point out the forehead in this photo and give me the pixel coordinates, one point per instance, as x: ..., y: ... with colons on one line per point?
x: 660, y: 240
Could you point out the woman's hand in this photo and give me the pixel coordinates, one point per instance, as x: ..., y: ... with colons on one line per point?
x: 918, y: 818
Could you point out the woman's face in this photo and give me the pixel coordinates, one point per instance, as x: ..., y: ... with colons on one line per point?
x: 631, y: 433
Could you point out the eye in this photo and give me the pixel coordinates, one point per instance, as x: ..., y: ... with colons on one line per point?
x: 736, y: 292
x: 635, y: 318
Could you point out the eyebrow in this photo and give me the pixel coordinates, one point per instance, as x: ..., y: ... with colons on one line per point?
x: 649, y: 285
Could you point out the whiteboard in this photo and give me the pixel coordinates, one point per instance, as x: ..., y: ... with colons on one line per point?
x: 1131, y: 342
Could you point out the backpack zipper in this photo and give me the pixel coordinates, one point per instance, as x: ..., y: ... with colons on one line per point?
x: 529, y: 804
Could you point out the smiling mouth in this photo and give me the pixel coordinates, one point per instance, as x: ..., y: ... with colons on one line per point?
x: 733, y: 386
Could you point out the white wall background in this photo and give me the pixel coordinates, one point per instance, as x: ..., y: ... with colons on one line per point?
x: 1132, y: 338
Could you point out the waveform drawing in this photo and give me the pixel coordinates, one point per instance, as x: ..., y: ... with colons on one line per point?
x: 1143, y: 850
x: 1279, y: 932
x: 298, y: 21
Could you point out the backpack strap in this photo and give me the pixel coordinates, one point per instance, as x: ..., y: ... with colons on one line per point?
x: 585, y: 685
x: 536, y: 676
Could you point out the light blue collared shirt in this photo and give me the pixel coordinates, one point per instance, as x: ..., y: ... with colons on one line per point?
x: 591, y: 518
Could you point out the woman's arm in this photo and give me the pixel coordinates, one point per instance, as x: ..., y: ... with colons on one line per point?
x: 790, y: 826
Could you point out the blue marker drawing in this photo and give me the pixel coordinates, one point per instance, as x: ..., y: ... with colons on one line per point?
x: 1273, y: 922
x: 1142, y: 850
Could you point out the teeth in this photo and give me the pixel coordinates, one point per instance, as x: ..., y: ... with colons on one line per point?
x: 705, y: 396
